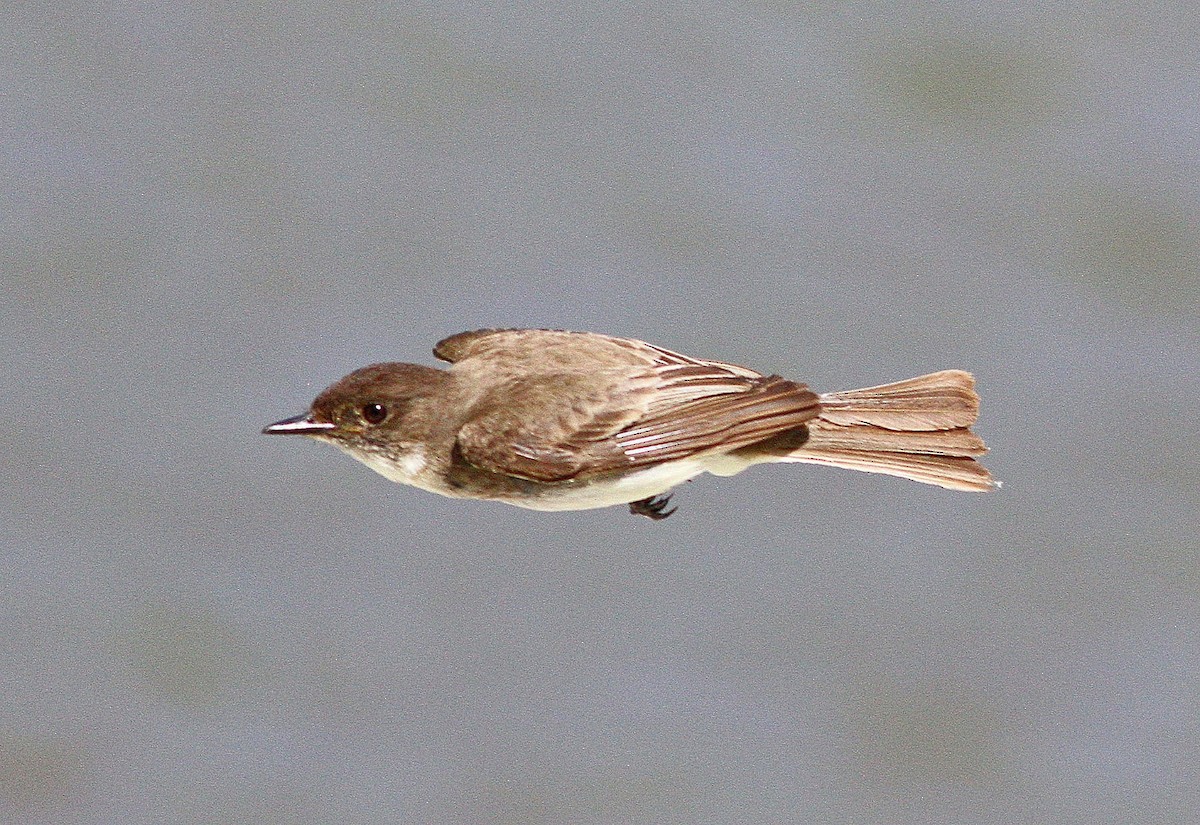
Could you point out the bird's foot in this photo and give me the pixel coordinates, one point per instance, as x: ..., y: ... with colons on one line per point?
x: 654, y: 508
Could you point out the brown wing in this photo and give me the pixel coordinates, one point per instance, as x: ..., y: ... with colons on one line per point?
x: 761, y: 408
x: 560, y: 426
x: 457, y: 347
x: 554, y: 349
x: 543, y: 426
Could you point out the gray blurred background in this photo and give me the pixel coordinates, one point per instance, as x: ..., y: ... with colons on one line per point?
x: 208, y: 213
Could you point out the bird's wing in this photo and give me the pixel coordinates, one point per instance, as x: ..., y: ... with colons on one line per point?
x: 457, y: 347
x: 543, y: 426
x: 695, y: 413
x: 561, y: 425
x: 563, y: 350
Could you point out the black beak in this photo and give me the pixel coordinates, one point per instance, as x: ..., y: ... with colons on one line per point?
x: 298, y: 425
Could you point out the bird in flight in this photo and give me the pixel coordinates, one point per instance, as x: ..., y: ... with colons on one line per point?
x: 556, y: 420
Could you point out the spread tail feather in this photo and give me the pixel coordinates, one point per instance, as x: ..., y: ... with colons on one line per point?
x: 917, y: 429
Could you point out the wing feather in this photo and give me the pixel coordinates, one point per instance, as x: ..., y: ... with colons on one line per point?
x: 720, y: 422
x: 565, y: 348
x: 557, y: 427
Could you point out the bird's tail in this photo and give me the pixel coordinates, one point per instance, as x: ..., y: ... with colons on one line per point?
x: 918, y: 429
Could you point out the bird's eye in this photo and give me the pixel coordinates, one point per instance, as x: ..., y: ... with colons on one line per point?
x: 373, y: 413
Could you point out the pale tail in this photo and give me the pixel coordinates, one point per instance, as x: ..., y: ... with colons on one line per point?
x: 917, y: 429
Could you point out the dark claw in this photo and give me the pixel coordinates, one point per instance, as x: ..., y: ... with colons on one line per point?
x: 654, y: 507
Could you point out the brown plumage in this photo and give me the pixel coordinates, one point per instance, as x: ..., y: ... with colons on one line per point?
x: 565, y: 420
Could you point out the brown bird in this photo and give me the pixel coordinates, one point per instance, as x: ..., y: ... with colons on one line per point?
x: 554, y: 420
